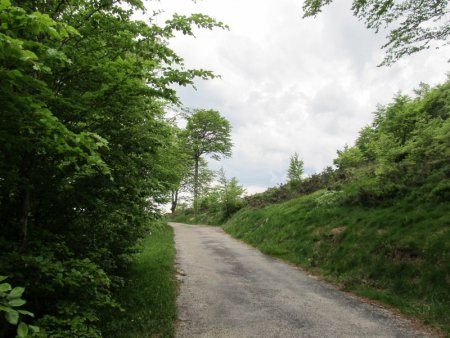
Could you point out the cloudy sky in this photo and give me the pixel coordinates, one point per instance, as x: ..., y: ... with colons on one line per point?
x: 290, y: 84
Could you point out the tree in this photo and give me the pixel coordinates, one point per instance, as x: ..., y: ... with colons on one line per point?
x: 230, y: 194
x: 295, y: 170
x: 205, y: 178
x: 415, y: 24
x: 176, y: 165
x: 83, y: 92
x: 207, y: 132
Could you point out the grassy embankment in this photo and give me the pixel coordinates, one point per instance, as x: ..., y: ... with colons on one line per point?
x: 398, y: 254
x: 149, y: 295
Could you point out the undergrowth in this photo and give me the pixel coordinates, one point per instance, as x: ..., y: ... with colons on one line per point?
x: 148, y: 297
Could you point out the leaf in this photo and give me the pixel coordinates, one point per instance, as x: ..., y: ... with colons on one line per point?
x: 5, y: 4
x: 26, y: 313
x: 12, y: 317
x: 4, y: 287
x: 16, y: 292
x: 2, y: 278
x: 4, y: 308
x: 34, y: 329
x: 22, y: 330
x: 28, y: 55
x: 17, y: 302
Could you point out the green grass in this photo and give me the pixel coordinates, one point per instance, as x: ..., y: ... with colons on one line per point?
x: 149, y: 295
x: 398, y: 254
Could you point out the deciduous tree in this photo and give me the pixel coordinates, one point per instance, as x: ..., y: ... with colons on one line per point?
x: 230, y: 192
x: 295, y: 170
x: 207, y: 132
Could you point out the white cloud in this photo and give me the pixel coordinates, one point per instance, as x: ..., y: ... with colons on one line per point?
x: 291, y: 84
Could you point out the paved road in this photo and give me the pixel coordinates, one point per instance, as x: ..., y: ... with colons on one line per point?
x: 229, y: 289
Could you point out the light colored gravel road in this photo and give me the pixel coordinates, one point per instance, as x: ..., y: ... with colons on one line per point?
x: 229, y: 289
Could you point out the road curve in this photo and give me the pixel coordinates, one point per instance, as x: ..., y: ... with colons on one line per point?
x: 229, y: 289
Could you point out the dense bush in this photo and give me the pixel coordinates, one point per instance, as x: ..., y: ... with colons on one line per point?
x: 406, y: 151
x: 83, y: 88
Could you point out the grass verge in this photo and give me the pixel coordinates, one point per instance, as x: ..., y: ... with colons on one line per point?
x: 397, y: 254
x: 149, y: 294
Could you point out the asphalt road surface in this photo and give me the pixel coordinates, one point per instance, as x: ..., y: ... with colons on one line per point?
x: 229, y: 289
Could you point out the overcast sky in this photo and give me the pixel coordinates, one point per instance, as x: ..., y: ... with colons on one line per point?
x: 290, y: 84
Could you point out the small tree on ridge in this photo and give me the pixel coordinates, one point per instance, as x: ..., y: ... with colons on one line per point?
x: 295, y: 170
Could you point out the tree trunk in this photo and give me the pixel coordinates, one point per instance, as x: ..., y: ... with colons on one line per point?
x: 25, y: 173
x: 174, y: 201
x: 24, y: 216
x: 196, y: 159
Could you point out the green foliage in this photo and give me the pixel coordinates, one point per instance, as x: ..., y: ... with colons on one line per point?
x: 149, y: 292
x: 87, y: 154
x: 349, y: 158
x: 404, y: 152
x: 176, y: 165
x: 415, y: 25
x: 204, y: 179
x: 10, y: 302
x: 230, y: 194
x: 295, y: 170
x: 207, y: 132
x: 328, y: 179
x: 216, y: 204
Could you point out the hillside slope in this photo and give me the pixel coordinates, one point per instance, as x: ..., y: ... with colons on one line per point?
x: 397, y: 253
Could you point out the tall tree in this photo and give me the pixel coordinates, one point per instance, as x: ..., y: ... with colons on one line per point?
x: 207, y: 132
x: 414, y: 24
x: 295, y: 170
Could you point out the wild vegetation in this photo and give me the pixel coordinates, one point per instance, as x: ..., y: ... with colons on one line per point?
x: 88, y: 154
x: 84, y: 158
x: 148, y: 300
x: 378, y: 223
x: 217, y: 202
x: 207, y: 133
x: 396, y: 253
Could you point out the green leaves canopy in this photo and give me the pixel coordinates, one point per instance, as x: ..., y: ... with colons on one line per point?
x: 207, y: 132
